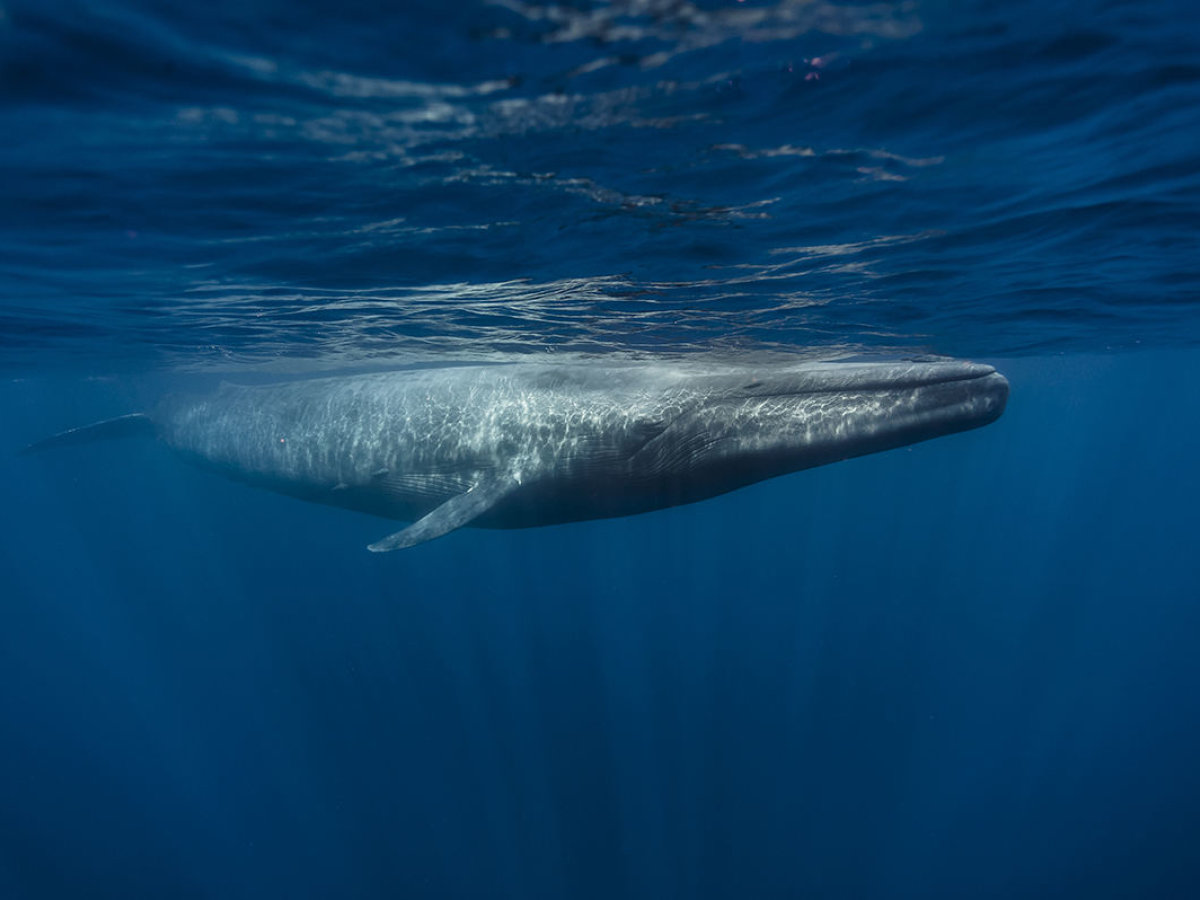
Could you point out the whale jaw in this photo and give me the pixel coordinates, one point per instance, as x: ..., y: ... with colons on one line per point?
x: 817, y: 415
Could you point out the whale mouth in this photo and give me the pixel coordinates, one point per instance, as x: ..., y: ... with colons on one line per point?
x: 896, y: 398
x: 973, y: 377
x: 899, y: 376
x: 956, y: 396
x: 882, y: 406
x: 979, y: 397
x: 882, y: 378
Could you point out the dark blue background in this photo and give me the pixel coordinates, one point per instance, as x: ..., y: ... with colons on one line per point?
x: 963, y: 669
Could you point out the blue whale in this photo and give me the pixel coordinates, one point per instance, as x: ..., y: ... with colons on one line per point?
x: 513, y: 446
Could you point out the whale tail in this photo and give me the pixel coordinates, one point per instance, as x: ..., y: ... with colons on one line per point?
x: 132, y: 425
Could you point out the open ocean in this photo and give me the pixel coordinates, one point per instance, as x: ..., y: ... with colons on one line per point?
x: 965, y: 669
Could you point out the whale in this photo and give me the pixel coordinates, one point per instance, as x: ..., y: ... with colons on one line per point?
x: 530, y: 444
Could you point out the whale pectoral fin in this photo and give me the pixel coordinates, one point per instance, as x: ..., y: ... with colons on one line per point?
x: 454, y: 513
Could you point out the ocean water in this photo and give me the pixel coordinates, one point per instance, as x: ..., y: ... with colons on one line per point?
x: 967, y: 668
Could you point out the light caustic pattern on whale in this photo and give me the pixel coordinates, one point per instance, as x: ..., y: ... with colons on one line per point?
x: 522, y: 445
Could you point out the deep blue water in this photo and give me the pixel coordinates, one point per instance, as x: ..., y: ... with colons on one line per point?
x: 964, y: 669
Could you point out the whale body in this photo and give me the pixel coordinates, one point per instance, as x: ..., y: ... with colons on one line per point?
x: 519, y: 445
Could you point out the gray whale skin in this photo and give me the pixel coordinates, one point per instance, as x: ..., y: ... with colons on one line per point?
x: 512, y: 446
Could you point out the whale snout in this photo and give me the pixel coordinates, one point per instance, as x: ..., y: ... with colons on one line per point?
x: 953, y: 394
x: 993, y: 393
x: 969, y: 396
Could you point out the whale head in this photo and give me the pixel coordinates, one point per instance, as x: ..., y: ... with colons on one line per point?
x: 754, y: 425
